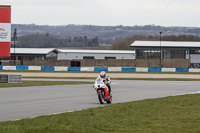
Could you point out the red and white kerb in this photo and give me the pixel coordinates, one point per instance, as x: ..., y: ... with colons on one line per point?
x: 5, y: 30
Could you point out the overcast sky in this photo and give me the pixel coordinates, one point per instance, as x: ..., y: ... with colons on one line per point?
x: 106, y: 12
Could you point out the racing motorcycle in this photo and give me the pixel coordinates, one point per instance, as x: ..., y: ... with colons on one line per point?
x: 102, y: 91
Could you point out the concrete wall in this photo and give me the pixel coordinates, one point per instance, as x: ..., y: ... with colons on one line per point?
x: 177, y: 63
x: 167, y: 63
x: 108, y: 63
x: 47, y: 63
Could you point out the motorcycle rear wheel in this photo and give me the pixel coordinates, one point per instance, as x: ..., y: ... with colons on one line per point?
x: 110, y: 100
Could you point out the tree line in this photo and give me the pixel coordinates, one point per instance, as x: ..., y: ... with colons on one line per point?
x: 52, y: 41
x: 124, y: 44
x: 105, y: 34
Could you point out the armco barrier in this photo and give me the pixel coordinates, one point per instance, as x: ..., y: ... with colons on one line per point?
x: 194, y: 70
x: 9, y: 67
x: 154, y: 69
x: 100, y: 68
x: 74, y: 69
x: 34, y: 67
x: 182, y: 69
x: 87, y: 68
x: 114, y: 69
x: 141, y: 69
x: 128, y: 69
x: 168, y: 69
x: 46, y: 68
x: 60, y: 68
x: 123, y: 69
x: 21, y: 67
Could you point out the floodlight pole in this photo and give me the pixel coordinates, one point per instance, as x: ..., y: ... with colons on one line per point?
x: 160, y: 50
x: 15, y: 37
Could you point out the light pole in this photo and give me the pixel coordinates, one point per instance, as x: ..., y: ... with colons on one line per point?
x: 160, y: 49
x: 15, y: 37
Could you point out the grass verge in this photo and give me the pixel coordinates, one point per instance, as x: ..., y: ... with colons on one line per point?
x: 170, y: 114
x: 159, y: 79
x: 42, y: 83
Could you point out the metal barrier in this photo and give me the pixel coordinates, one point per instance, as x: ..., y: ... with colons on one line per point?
x: 10, y: 78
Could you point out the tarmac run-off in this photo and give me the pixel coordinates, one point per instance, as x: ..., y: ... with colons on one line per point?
x: 112, y: 75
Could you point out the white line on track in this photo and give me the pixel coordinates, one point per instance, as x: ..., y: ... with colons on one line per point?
x: 197, y: 92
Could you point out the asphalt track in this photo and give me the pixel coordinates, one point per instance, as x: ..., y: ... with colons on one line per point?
x: 27, y: 102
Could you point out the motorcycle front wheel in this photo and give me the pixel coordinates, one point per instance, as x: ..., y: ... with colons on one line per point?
x: 100, y: 96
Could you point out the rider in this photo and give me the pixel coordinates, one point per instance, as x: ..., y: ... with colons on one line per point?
x: 106, y: 79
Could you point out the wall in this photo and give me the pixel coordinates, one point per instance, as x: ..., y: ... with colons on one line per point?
x: 47, y: 63
x: 167, y: 63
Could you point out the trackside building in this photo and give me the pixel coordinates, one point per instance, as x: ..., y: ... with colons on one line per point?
x: 168, y: 50
x: 94, y: 54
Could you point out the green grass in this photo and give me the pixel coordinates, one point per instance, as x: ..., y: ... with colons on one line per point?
x: 177, y: 114
x: 42, y: 83
x: 95, y: 72
x: 158, y: 79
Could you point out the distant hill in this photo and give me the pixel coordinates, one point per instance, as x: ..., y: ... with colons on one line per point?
x: 91, y: 34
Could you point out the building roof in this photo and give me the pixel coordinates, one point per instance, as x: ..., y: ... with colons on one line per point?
x: 48, y: 50
x: 31, y: 50
x: 97, y: 51
x: 178, y: 44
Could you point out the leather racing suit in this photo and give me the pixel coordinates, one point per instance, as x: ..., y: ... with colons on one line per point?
x: 106, y: 81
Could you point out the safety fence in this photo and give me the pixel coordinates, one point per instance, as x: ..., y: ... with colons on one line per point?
x: 119, y: 69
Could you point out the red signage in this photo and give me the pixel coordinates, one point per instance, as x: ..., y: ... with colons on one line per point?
x: 5, y: 30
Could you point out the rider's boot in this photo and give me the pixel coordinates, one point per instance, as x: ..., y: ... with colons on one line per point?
x: 110, y: 92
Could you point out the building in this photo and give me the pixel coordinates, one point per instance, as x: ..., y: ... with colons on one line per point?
x: 168, y: 50
x: 69, y: 54
x: 64, y: 57
x: 28, y: 53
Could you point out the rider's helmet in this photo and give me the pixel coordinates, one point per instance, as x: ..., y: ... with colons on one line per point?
x: 103, y: 74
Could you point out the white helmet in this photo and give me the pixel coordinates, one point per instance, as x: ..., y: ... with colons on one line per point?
x: 103, y: 74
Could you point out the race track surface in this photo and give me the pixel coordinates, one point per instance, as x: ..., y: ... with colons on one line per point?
x: 25, y: 102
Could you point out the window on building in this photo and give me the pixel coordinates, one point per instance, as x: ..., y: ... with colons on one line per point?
x: 195, y: 51
x: 178, y: 54
x: 167, y: 54
x: 88, y: 57
x: 155, y: 54
x: 110, y: 57
x: 147, y: 54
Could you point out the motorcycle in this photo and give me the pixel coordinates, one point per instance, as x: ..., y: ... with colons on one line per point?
x: 102, y: 92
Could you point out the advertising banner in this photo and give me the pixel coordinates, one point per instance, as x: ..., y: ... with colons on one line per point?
x: 5, y: 30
